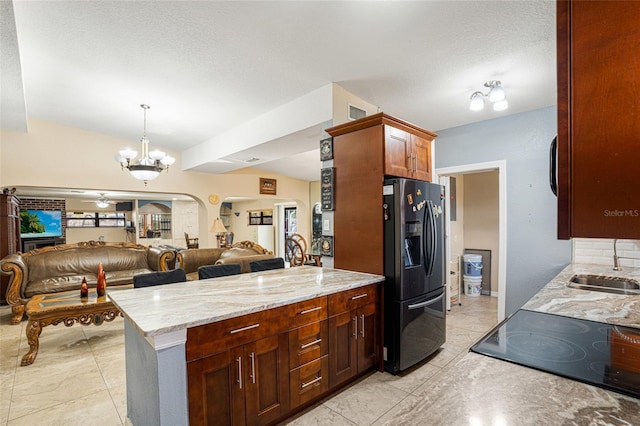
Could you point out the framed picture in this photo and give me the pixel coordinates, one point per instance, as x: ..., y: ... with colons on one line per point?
x: 327, y: 188
x: 326, y: 149
x: 267, y: 186
x: 326, y: 246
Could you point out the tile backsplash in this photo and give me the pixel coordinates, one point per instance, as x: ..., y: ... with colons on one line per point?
x: 600, y: 251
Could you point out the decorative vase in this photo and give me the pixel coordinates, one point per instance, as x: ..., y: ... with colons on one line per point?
x: 101, y: 286
x: 84, y: 289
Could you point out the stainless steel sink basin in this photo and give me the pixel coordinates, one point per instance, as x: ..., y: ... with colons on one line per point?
x: 616, y: 285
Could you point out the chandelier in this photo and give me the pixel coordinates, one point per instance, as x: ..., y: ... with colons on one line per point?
x: 496, y: 95
x: 150, y: 164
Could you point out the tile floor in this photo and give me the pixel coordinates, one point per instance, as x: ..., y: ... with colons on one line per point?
x: 78, y: 377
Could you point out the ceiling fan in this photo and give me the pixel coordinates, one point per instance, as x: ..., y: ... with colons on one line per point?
x: 102, y: 201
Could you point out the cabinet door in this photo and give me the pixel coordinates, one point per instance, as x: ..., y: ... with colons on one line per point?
x: 343, y: 361
x: 367, y: 337
x: 598, y: 125
x: 267, y: 378
x: 398, y: 156
x: 216, y: 389
x: 422, y: 158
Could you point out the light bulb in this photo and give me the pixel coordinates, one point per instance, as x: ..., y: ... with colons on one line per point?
x: 496, y: 93
x: 501, y: 105
x: 477, y: 103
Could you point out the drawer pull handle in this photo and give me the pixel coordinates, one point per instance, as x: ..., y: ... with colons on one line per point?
x: 306, y: 345
x: 317, y: 308
x: 355, y: 327
x: 362, y: 329
x: 316, y: 380
x: 360, y: 296
x: 249, y: 327
x: 239, y: 381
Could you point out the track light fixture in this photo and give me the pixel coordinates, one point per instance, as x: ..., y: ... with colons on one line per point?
x: 496, y: 95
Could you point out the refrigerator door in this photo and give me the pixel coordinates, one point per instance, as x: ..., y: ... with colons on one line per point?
x: 417, y: 329
x: 413, y: 237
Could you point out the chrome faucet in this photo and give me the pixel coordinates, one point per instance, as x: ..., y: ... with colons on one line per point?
x: 616, y: 258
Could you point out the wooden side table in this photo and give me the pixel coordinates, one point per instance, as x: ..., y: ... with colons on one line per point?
x: 67, y: 308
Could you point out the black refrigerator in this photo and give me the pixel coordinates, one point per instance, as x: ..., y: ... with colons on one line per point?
x: 414, y: 314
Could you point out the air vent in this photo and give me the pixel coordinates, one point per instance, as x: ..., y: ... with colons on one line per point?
x: 356, y: 113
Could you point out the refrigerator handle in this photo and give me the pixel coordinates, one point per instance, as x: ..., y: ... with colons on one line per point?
x: 425, y: 303
x: 430, y: 243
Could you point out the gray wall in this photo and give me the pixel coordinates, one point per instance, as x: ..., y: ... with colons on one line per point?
x: 534, y: 255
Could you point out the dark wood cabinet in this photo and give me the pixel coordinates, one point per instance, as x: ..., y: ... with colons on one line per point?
x: 9, y: 234
x: 247, y: 384
x: 354, y: 344
x: 365, y: 151
x: 598, y: 119
x: 267, y: 379
x: 257, y: 368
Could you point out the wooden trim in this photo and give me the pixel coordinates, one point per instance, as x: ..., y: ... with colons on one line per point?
x: 563, y: 16
x: 377, y: 119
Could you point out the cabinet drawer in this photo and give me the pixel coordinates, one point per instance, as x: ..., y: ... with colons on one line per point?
x: 352, y: 299
x: 309, y: 380
x: 308, y: 343
x: 215, y: 337
x: 308, y: 311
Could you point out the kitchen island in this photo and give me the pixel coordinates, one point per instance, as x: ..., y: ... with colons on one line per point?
x: 486, y: 391
x: 200, y: 350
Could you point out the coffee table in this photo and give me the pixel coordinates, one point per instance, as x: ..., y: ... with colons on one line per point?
x: 68, y: 308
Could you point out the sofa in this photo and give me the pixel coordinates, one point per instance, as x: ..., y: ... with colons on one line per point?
x: 242, y: 253
x: 61, y: 268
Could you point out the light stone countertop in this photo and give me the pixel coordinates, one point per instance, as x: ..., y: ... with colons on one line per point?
x: 559, y: 299
x: 160, y: 309
x: 486, y: 391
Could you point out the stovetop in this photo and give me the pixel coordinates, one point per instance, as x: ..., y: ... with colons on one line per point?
x: 599, y: 354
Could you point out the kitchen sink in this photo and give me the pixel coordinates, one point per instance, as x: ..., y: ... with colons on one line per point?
x: 616, y: 285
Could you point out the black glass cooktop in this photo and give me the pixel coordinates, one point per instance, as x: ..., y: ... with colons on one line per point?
x: 599, y: 354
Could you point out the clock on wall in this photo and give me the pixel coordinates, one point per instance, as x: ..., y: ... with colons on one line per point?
x: 214, y: 199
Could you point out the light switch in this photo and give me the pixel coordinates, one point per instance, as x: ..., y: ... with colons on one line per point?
x: 326, y: 225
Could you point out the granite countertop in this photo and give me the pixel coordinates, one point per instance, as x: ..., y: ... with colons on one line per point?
x: 559, y: 299
x: 170, y: 307
x: 487, y: 391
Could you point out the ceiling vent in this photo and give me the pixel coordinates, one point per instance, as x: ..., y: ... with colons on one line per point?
x: 356, y: 113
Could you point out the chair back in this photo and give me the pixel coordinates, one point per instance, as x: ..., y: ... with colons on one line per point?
x: 157, y: 278
x: 300, y: 240
x: 215, y: 271
x: 191, y: 242
x: 267, y: 264
x: 293, y: 252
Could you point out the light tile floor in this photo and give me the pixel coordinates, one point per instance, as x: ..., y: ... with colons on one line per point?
x: 78, y: 377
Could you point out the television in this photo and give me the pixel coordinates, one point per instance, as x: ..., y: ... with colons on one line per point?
x: 40, y: 223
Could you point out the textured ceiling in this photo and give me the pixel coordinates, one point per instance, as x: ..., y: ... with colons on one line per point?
x: 206, y: 67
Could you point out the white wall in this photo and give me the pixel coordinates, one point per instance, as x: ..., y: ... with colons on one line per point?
x: 600, y: 251
x: 56, y: 156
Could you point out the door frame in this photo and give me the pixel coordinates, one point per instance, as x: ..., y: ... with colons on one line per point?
x: 501, y: 167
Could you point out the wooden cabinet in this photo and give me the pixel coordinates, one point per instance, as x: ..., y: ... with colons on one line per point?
x: 257, y: 368
x: 245, y: 385
x: 9, y: 234
x: 353, y: 333
x: 598, y: 119
x: 406, y: 155
x: 365, y: 151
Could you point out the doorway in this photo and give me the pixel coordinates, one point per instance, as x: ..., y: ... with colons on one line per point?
x: 483, y: 230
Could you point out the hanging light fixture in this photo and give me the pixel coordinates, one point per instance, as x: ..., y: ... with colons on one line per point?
x: 150, y: 164
x: 496, y: 95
